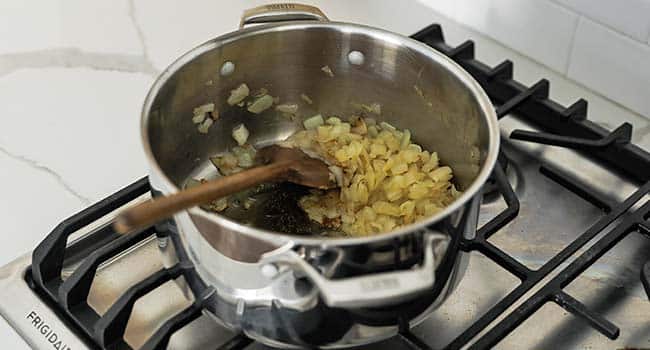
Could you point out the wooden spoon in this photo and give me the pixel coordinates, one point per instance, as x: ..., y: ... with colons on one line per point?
x: 280, y: 164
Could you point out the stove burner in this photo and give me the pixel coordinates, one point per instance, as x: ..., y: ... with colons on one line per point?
x: 565, y: 127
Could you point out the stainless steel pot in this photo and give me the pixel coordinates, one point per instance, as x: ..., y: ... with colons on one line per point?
x: 291, y: 290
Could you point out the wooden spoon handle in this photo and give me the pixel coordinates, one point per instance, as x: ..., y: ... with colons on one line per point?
x: 151, y: 211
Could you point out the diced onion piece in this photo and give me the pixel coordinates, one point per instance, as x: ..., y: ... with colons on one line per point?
x: 238, y: 95
x: 333, y: 121
x: 327, y: 71
x: 217, y: 205
x: 245, y: 160
x: 198, y: 118
x: 372, y: 131
x: 306, y: 98
x: 208, y: 107
x: 374, y: 108
x: 359, y: 126
x: 221, y: 204
x: 386, y: 126
x: 205, y: 126
x: 240, y: 134
x: 225, y: 163
x: 338, y: 174
x: 406, y: 139
x: 313, y: 122
x: 248, y: 202
x: 201, y: 111
x: 291, y: 108
x: 245, y: 155
x: 261, y: 104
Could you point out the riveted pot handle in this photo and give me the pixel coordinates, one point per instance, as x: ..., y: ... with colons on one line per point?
x: 373, y: 289
x: 280, y: 13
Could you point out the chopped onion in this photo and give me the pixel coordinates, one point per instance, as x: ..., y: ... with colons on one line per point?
x: 220, y: 204
x: 291, y: 108
x: 374, y: 108
x: 387, y: 127
x: 372, y: 131
x: 201, y: 111
x: 240, y: 134
x: 208, y: 107
x: 406, y: 139
x: 261, y: 104
x: 333, y: 121
x: 338, y: 174
x: 245, y: 155
x: 245, y: 160
x: 198, y: 118
x: 327, y: 71
x: 248, y: 202
x: 238, y: 95
x: 306, y: 98
x: 226, y: 163
x: 205, y: 126
x: 313, y: 122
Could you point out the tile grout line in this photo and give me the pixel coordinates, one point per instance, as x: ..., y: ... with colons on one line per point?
x: 572, y: 46
x: 69, y: 57
x: 139, y: 32
x: 606, y: 25
x: 58, y: 178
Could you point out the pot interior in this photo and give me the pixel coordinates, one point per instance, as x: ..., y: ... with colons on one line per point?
x: 417, y: 89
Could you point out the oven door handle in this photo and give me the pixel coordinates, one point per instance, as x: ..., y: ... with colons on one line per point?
x: 378, y: 289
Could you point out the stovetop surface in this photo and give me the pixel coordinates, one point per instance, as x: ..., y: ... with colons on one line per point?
x: 550, y: 218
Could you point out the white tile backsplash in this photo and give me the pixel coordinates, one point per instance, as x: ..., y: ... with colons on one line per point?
x: 612, y: 64
x: 630, y: 17
x: 70, y: 23
x: 21, y: 26
x: 541, y: 29
x: 87, y: 24
x: 609, y: 52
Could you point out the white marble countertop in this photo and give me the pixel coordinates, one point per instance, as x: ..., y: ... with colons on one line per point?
x: 73, y: 76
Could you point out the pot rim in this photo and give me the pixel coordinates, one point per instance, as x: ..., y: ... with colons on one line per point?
x: 279, y: 238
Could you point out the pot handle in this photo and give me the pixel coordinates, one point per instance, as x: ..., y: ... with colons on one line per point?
x: 369, y: 290
x: 280, y: 13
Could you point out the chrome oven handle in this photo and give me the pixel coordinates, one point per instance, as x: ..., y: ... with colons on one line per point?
x: 281, y: 12
x: 373, y: 289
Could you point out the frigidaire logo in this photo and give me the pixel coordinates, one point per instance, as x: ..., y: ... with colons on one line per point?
x: 47, y: 331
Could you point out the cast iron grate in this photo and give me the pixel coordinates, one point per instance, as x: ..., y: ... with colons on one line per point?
x: 565, y: 127
x: 70, y: 295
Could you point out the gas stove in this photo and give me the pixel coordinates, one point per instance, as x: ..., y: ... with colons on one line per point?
x: 561, y: 258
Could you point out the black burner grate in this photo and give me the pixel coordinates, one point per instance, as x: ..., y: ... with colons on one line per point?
x: 565, y: 127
